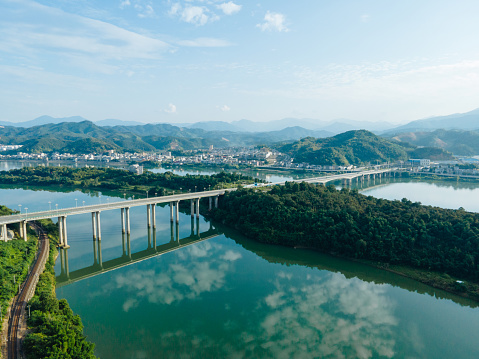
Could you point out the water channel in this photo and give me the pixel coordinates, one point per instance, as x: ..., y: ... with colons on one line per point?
x: 228, y: 296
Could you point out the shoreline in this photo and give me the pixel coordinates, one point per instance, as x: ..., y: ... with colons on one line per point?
x: 423, y: 276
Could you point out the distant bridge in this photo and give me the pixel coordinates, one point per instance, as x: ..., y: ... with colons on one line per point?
x: 173, y: 200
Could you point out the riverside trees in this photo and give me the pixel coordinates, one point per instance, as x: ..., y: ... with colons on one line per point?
x: 357, y: 226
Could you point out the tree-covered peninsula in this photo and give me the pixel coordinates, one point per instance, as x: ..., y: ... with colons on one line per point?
x: 350, y: 224
x: 119, y: 180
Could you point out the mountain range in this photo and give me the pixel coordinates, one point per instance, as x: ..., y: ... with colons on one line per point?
x: 459, y: 121
x: 459, y: 142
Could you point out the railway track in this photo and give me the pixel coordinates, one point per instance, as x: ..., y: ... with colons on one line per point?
x: 26, y: 292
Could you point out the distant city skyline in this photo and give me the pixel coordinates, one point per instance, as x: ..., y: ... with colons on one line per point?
x: 188, y: 61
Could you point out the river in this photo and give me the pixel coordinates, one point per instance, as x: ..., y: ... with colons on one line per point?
x: 267, y: 175
x: 231, y: 297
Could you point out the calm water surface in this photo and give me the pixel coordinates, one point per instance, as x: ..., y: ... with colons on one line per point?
x: 230, y: 297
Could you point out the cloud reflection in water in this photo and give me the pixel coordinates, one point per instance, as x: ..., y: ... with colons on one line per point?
x: 187, y: 279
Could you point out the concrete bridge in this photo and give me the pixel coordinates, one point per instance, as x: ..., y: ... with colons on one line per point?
x: 172, y: 200
x: 98, y: 267
x: 347, y: 178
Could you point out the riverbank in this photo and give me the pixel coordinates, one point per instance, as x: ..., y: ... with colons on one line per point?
x: 394, y: 235
x: 442, y: 281
x: 53, y: 329
x: 463, y: 288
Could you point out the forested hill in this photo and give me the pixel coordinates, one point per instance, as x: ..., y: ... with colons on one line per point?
x: 357, y: 226
x: 86, y: 137
x: 459, y: 142
x: 352, y: 147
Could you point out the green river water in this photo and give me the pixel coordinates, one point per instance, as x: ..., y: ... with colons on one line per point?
x: 230, y: 297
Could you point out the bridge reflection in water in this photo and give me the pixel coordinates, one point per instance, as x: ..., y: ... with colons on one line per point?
x: 66, y: 277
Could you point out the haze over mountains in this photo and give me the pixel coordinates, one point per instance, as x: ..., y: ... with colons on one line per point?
x: 317, y: 128
x: 454, y: 133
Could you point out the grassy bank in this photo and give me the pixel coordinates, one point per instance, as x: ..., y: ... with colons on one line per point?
x: 54, y: 331
x: 444, y: 281
x: 16, y: 256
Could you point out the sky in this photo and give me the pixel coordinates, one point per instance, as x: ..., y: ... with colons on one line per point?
x: 207, y: 60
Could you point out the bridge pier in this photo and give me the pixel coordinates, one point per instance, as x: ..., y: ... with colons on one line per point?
x: 148, y: 215
x: 171, y: 211
x: 210, y: 203
x: 153, y: 214
x: 98, y: 225
x: 216, y: 201
x: 62, y: 232
x: 192, y: 203
x: 127, y: 219
x: 24, y: 225
x: 93, y: 225
x: 177, y: 212
x: 122, y: 220
x: 20, y: 228
x: 3, y: 235
x: 197, y: 208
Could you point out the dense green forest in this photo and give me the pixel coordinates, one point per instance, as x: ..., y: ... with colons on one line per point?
x: 55, y: 332
x: 352, y: 148
x: 15, y: 258
x: 348, y: 223
x: 120, y: 180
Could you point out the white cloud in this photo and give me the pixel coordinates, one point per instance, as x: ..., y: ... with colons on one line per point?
x: 273, y: 22
x: 175, y: 9
x: 225, y: 108
x: 197, y: 15
x: 124, y: 4
x: 145, y: 10
x: 229, y: 8
x: 77, y: 41
x: 171, y: 108
x: 204, y: 42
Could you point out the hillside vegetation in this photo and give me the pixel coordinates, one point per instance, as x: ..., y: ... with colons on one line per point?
x: 465, y: 143
x: 86, y: 137
x: 352, y: 147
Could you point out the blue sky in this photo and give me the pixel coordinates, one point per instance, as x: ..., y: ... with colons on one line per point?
x: 208, y: 60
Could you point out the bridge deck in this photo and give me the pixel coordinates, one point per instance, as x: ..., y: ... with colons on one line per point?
x: 15, y: 218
